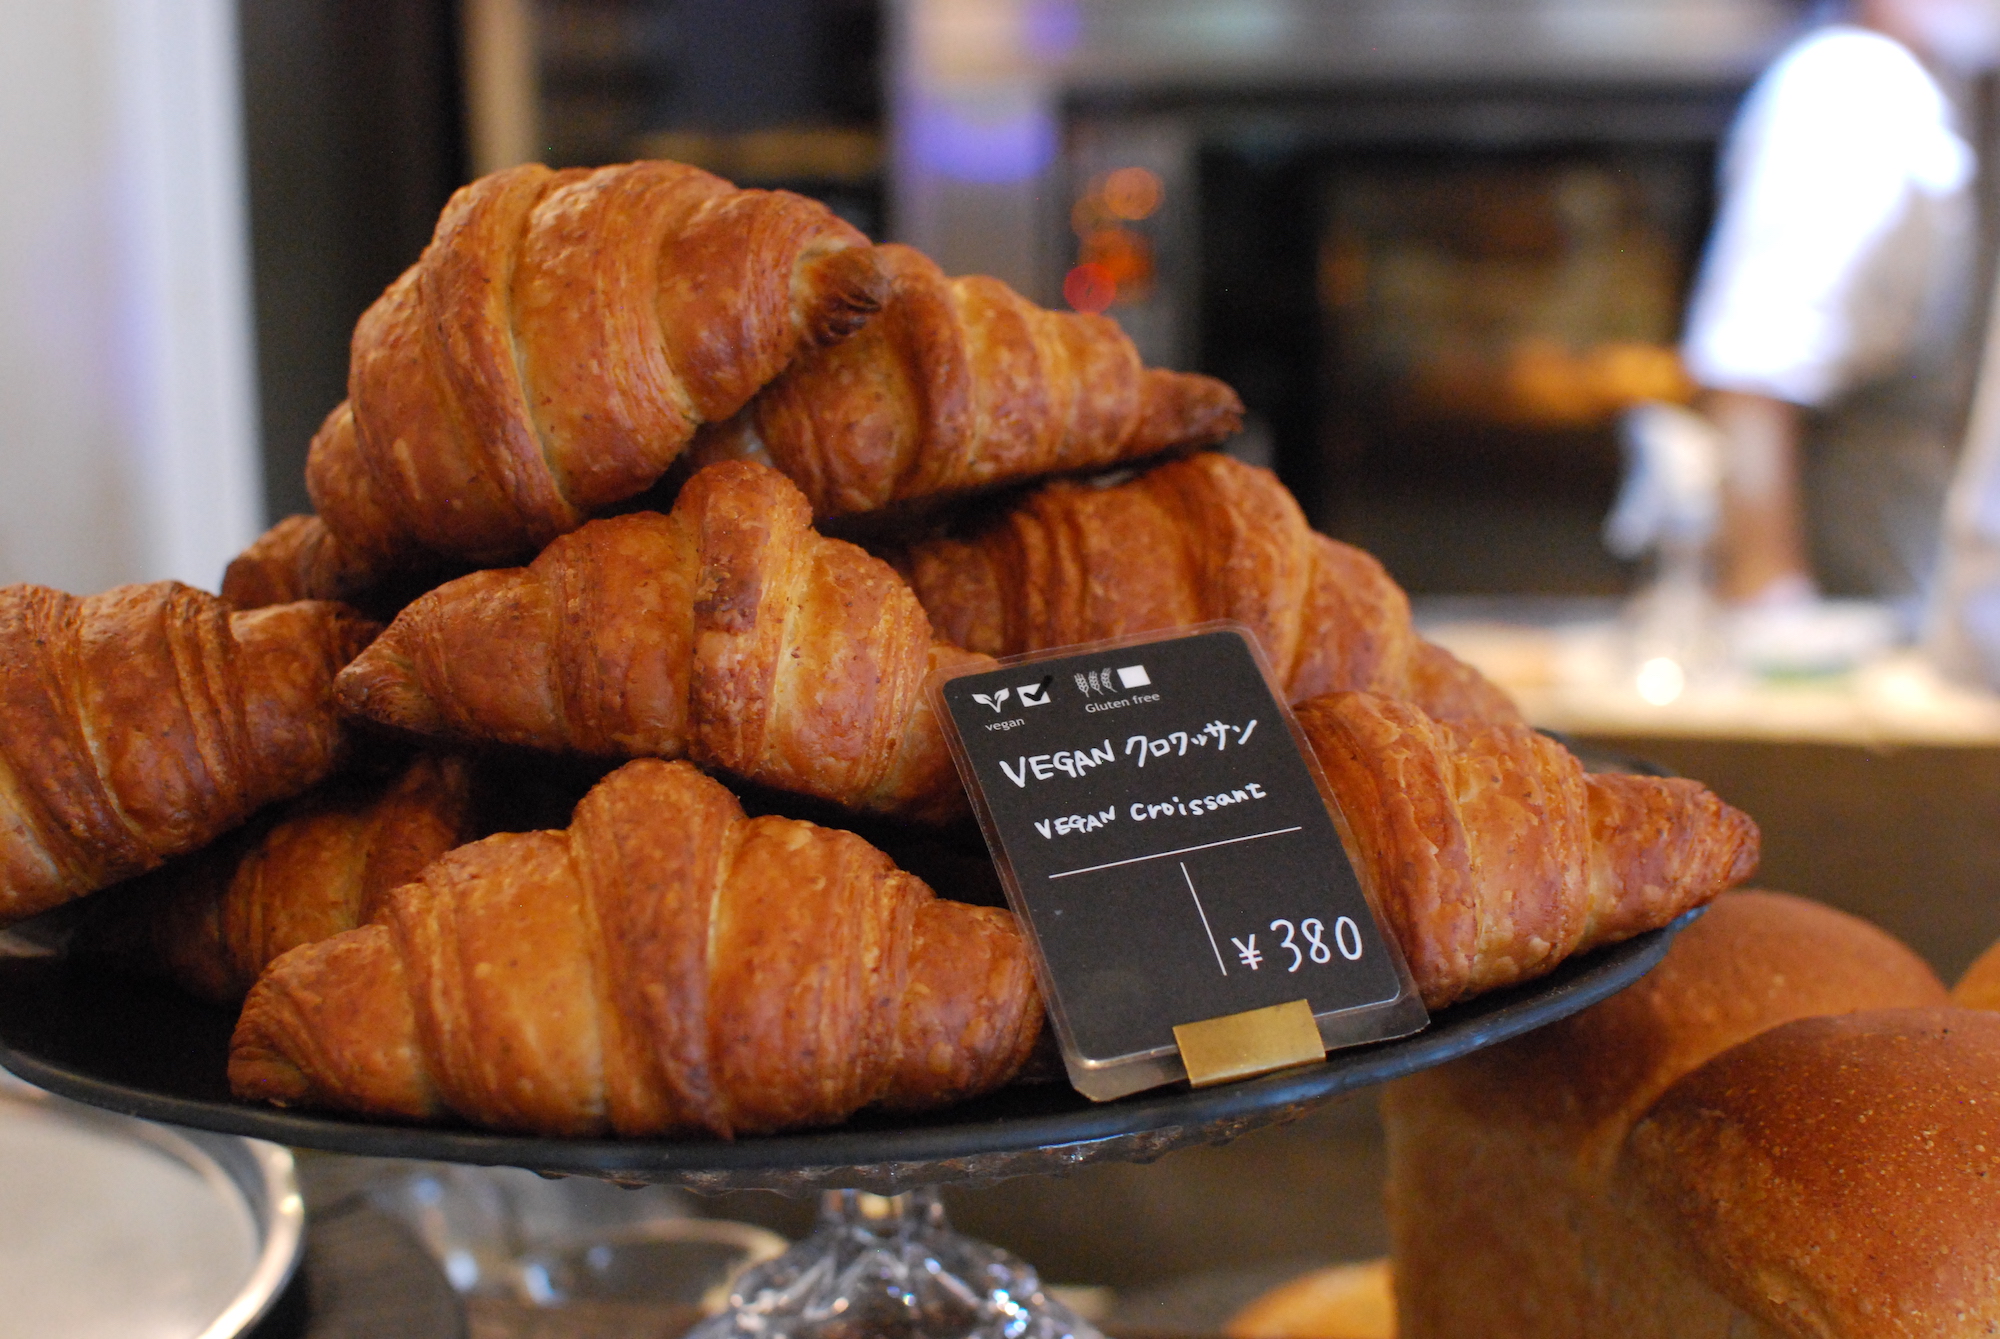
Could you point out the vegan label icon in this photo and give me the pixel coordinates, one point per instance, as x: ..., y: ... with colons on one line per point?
x: 992, y: 700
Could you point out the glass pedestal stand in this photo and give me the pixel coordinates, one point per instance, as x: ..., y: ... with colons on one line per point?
x: 891, y: 1267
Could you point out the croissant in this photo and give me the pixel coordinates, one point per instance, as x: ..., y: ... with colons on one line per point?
x: 145, y: 722
x: 299, y: 872
x: 1198, y: 539
x: 728, y: 632
x: 961, y: 384
x: 558, y: 343
x: 299, y: 559
x: 713, y: 975
x: 296, y: 559
x: 1494, y: 855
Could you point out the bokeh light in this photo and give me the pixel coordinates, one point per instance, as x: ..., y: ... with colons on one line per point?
x: 1088, y: 288
x: 1132, y: 193
x: 1125, y: 256
x: 1661, y: 681
x: 1088, y: 214
x: 1115, y: 263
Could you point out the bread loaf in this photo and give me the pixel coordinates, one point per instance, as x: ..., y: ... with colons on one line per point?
x: 1510, y: 1196
x: 1979, y: 988
x: 1834, y: 1176
x: 1339, y: 1302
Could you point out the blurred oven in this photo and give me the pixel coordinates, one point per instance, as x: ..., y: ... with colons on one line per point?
x: 1438, y: 335
x: 1438, y: 245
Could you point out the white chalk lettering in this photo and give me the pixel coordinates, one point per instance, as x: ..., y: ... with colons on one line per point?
x: 1051, y: 828
x: 1201, y: 806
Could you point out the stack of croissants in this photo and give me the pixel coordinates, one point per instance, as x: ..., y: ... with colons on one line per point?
x: 568, y: 526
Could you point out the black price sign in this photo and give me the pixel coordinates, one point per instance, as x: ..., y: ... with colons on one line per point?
x: 1159, y: 829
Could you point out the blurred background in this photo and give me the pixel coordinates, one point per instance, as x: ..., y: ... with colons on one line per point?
x: 1441, y: 248
x: 1438, y: 245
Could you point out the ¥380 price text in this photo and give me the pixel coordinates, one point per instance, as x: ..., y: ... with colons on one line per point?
x: 1301, y: 943
x: 1297, y: 944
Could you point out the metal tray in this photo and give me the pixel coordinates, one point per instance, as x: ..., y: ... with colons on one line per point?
x: 203, y: 1229
x: 144, y: 1050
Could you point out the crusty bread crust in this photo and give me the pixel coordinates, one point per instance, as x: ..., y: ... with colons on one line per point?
x: 1500, y: 1165
x: 1837, y: 1176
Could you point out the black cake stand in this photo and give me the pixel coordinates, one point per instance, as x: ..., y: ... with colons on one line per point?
x: 883, y: 1261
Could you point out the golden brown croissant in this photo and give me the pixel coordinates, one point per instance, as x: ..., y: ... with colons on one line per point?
x: 296, y: 559
x: 713, y: 974
x: 1198, y: 539
x: 557, y: 345
x: 960, y: 384
x: 299, y: 559
x: 299, y: 872
x: 1495, y: 856
x: 147, y: 721
x: 728, y: 632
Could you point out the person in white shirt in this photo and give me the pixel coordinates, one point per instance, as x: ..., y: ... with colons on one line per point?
x: 1828, y: 311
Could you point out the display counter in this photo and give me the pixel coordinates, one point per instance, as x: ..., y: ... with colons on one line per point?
x: 1876, y: 789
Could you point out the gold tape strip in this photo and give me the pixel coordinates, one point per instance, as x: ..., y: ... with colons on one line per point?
x: 1237, y: 1046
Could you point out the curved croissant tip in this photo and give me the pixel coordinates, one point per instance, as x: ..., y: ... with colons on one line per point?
x: 850, y: 286
x: 1186, y: 409
x: 381, y: 686
x: 259, y: 1068
x: 259, y: 1072
x: 1749, y: 851
x: 269, y: 571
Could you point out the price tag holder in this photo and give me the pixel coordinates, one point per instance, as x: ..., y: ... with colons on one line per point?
x: 1164, y: 833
